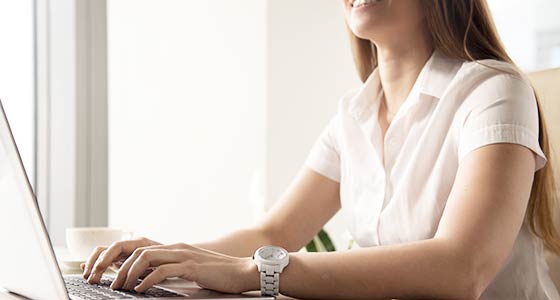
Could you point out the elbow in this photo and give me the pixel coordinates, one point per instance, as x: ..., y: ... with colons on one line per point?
x: 465, y: 287
x: 470, y: 289
x: 475, y: 277
x: 468, y: 271
x: 273, y: 235
x: 265, y: 234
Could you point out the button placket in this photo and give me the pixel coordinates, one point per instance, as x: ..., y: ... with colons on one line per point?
x: 389, y: 155
x: 379, y: 209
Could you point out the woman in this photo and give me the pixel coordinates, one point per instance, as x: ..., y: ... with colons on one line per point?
x: 438, y: 163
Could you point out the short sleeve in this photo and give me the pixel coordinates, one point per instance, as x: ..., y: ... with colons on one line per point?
x: 324, y: 157
x: 504, y: 110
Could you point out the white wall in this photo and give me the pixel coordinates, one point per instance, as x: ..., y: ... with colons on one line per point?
x: 186, y: 115
x: 17, y: 76
x: 530, y: 31
x: 71, y: 114
x: 309, y: 68
x: 214, y: 106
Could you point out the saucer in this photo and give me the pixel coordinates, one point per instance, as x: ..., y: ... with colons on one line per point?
x: 70, y: 264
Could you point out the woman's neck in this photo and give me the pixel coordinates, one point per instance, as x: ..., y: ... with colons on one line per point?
x: 399, y: 64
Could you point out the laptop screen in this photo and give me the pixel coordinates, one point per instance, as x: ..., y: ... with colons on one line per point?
x: 28, y: 264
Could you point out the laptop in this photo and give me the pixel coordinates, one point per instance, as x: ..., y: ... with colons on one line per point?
x: 29, y: 266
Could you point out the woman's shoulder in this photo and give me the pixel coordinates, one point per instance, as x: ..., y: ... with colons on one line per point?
x: 493, y: 92
x: 485, y: 81
x: 497, y: 104
x: 482, y: 72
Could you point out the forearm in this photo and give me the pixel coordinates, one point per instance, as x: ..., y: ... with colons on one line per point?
x: 241, y: 243
x: 424, y: 269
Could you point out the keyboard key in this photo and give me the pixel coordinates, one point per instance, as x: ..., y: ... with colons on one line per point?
x: 77, y: 286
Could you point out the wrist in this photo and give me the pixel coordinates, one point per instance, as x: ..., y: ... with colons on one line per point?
x: 251, y: 275
x: 270, y: 262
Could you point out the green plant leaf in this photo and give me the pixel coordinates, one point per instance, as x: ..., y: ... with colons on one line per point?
x: 326, y: 240
x: 311, y: 247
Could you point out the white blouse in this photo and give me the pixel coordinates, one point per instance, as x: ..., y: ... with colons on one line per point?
x: 397, y: 194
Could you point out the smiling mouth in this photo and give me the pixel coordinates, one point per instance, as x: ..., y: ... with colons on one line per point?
x: 359, y: 3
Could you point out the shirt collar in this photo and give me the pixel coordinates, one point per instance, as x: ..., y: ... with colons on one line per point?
x: 433, y: 80
x: 440, y: 70
x: 367, y: 96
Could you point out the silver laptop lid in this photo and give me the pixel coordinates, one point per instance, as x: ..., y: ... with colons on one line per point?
x: 28, y: 263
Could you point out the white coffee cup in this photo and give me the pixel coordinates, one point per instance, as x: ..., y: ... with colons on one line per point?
x: 82, y: 240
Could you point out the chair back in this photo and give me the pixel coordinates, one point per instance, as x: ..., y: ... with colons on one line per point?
x: 547, y: 87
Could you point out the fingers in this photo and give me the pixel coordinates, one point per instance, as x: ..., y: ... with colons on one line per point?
x: 150, y: 270
x: 91, y: 261
x: 120, y: 279
x: 104, y: 260
x: 152, y: 258
x: 122, y: 274
x: 160, y: 274
x: 108, y: 256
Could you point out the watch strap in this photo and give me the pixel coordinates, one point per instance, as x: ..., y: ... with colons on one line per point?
x: 270, y: 280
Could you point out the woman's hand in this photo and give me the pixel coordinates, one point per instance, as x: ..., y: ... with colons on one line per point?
x: 103, y: 257
x: 208, y: 269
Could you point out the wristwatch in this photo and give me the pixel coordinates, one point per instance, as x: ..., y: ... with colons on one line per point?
x: 270, y: 261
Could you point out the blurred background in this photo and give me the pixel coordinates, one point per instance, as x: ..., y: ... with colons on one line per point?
x: 181, y: 120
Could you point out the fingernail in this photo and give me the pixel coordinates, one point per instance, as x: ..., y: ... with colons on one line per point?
x: 114, y: 285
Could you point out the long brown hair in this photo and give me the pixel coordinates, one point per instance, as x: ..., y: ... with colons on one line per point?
x: 465, y: 30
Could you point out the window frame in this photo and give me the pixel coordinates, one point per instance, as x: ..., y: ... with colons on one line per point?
x: 71, y: 114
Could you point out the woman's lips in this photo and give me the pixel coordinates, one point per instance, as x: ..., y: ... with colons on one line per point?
x: 364, y: 3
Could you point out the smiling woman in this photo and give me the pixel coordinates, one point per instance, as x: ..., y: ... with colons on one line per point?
x: 439, y: 163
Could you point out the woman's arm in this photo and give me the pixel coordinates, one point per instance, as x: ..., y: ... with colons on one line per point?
x: 481, y: 221
x: 308, y: 204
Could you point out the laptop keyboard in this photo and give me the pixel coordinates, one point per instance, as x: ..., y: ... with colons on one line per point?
x: 77, y: 286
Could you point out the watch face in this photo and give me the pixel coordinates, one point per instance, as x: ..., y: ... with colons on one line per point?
x: 273, y: 253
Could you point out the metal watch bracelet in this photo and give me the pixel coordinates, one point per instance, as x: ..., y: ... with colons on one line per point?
x: 270, y: 281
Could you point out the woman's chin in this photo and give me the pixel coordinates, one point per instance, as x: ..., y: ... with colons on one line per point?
x: 362, y: 29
